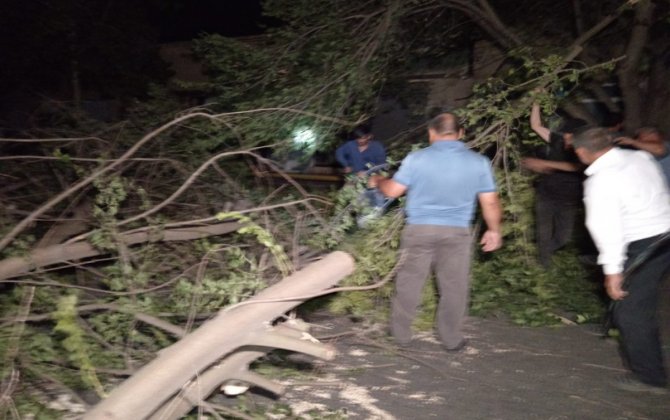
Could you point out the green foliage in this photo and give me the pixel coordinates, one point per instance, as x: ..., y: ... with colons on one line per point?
x: 30, y: 406
x: 20, y: 246
x: 531, y: 295
x: 348, y: 205
x: 241, y: 279
x: 263, y: 237
x: 510, y: 282
x: 323, y: 70
x: 375, y: 250
x: 315, y: 64
x: 111, y: 194
x: 75, y: 343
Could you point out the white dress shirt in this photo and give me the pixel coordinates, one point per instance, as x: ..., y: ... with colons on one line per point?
x: 626, y: 200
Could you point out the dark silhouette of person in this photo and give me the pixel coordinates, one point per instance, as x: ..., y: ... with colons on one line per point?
x: 558, y: 188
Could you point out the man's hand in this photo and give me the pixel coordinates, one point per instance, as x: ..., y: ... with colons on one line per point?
x: 386, y: 186
x: 373, y: 180
x: 656, y: 148
x: 347, y: 169
x: 536, y: 165
x: 613, y: 286
x: 625, y: 141
x: 491, y: 240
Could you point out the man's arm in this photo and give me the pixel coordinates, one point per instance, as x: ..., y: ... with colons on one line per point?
x: 536, y: 123
x: 603, y: 219
x: 341, y: 157
x: 492, y: 213
x: 546, y: 166
x: 658, y: 149
x: 387, y: 186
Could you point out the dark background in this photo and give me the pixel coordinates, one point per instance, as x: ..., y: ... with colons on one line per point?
x: 186, y: 20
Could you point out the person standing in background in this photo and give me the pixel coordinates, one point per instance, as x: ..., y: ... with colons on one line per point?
x: 558, y: 189
x: 360, y: 154
x: 628, y: 214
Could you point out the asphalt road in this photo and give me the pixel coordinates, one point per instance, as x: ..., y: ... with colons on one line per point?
x: 507, y: 372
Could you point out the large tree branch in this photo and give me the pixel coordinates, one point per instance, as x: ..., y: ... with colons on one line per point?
x: 33, y: 216
x: 175, y: 330
x: 42, y: 257
x: 482, y: 13
x: 9, y: 237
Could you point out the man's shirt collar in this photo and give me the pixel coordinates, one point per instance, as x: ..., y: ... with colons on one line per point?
x: 610, y: 158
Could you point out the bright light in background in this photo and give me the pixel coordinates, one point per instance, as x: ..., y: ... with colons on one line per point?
x: 304, y: 137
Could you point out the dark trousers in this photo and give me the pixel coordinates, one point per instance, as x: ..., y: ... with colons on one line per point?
x: 635, y: 316
x: 554, y: 223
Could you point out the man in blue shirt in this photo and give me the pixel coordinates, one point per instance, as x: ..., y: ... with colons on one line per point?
x: 443, y: 182
x: 361, y: 153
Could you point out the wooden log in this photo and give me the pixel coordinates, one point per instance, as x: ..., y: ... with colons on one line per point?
x: 147, y: 390
x: 231, y: 367
x: 43, y: 257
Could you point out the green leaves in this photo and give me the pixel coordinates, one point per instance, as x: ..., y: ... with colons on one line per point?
x: 75, y: 343
x: 264, y: 238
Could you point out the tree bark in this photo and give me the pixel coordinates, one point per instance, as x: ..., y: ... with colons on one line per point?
x: 488, y: 20
x: 628, y: 72
x: 234, y: 366
x: 239, y: 326
x: 42, y: 257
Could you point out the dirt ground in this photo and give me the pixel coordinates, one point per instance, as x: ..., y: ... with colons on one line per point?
x: 506, y: 372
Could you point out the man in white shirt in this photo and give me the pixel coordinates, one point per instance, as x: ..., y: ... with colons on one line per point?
x: 628, y: 215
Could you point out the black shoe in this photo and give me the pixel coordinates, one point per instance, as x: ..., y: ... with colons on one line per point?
x: 629, y: 383
x: 458, y: 347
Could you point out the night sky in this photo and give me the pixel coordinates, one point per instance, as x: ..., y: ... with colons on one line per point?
x: 226, y: 17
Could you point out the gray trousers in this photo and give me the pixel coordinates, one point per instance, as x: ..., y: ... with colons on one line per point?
x: 447, y: 251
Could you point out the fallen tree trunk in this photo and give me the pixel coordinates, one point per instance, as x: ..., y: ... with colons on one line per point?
x: 243, y: 325
x: 233, y: 368
x: 43, y: 257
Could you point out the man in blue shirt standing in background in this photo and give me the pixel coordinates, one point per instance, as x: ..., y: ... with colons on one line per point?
x: 443, y: 182
x: 361, y: 153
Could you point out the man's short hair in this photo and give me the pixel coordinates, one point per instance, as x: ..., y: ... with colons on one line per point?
x: 573, y: 126
x: 593, y: 140
x: 612, y: 120
x: 445, y: 124
x: 648, y: 131
x: 361, y: 131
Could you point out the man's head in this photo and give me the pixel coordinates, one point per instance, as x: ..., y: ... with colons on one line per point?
x: 362, y: 135
x: 591, y: 144
x: 572, y: 127
x: 444, y: 127
x: 649, y: 135
x: 613, y: 121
